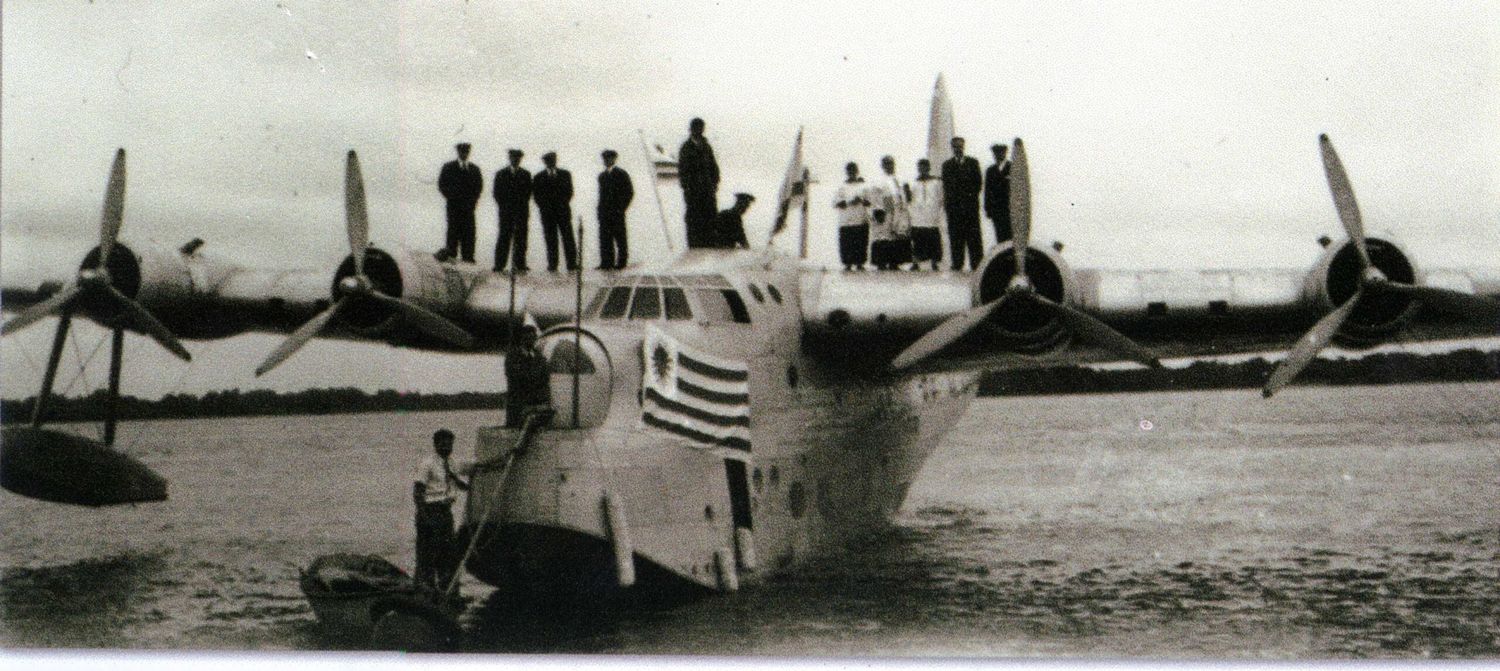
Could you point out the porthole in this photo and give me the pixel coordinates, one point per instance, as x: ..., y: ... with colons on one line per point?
x: 755, y: 292
x: 775, y: 476
x: 796, y: 500
x: 708, y: 513
x: 759, y: 480
x: 775, y: 293
x: 791, y: 376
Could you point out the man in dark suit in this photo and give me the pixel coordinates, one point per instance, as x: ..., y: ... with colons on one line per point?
x: 615, y: 194
x: 997, y: 194
x: 461, y: 183
x: 698, y: 172
x: 553, y: 189
x: 513, y: 195
x: 961, y: 188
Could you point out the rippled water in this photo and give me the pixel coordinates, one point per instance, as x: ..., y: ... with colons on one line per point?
x: 1344, y: 522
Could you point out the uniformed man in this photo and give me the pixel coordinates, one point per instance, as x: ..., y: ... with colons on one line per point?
x: 461, y: 184
x: 433, y: 492
x: 513, y: 196
x: 527, y: 379
x: 890, y: 227
x: 961, y: 188
x: 997, y: 194
x: 926, y: 217
x: 615, y: 194
x: 853, y: 205
x: 553, y: 190
x: 729, y: 225
x: 698, y: 173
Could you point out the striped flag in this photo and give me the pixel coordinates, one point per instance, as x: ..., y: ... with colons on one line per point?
x: 695, y: 395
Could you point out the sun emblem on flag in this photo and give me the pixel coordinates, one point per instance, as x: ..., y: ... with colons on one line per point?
x: 661, y: 362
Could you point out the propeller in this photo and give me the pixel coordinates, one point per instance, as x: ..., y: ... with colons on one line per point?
x: 358, y: 286
x: 1020, y: 290
x: 1371, y: 281
x: 95, y: 284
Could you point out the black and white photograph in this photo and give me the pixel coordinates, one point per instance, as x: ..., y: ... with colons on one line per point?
x: 516, y: 331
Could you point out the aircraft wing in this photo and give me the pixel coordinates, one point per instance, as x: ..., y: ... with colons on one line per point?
x: 867, y: 320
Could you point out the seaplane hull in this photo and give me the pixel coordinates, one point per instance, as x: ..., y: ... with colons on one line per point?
x: 833, y: 466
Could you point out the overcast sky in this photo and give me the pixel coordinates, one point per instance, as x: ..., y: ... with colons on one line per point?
x: 1160, y: 134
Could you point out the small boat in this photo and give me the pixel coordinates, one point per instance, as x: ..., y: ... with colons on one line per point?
x: 351, y: 594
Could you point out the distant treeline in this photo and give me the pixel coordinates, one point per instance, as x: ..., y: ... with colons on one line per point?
x: 236, y: 403
x: 1467, y: 365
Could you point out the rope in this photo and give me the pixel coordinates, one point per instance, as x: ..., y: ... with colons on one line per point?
x: 526, y: 430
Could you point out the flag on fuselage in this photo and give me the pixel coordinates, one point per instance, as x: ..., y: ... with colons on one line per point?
x: 696, y: 395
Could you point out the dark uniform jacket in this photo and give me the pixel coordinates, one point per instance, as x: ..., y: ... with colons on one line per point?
x: 513, y: 190
x: 729, y: 230
x: 997, y: 192
x: 552, y: 192
x: 527, y: 383
x: 461, y: 186
x: 961, y: 182
x: 696, y: 167
x: 615, y: 191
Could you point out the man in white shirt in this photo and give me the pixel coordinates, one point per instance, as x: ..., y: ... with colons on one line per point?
x: 852, y: 201
x: 890, y: 234
x: 434, y: 490
x: 926, y: 216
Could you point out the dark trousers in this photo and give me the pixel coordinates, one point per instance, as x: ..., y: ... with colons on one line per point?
x: 554, y: 225
x: 854, y: 242
x: 887, y: 254
x: 963, y: 235
x: 614, y: 251
x: 1002, y: 227
x: 702, y: 207
x: 461, y: 231
x: 513, y: 235
x: 926, y: 245
x: 436, y: 559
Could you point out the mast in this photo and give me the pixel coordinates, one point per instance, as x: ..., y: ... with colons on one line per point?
x: 655, y: 189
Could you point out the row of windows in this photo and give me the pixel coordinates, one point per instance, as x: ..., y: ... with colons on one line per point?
x: 671, y: 303
x: 714, y: 296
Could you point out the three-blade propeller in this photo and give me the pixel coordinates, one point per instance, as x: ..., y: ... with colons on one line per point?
x: 1371, y: 280
x: 1020, y: 291
x: 358, y: 286
x: 95, y: 285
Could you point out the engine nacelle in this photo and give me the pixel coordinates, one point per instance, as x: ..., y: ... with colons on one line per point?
x: 1380, y: 315
x: 415, y: 276
x: 1018, y: 326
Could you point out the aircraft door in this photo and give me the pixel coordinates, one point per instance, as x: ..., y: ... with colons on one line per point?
x: 568, y: 352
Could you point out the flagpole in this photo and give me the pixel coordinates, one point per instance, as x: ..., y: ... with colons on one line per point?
x: 661, y: 210
x: 578, y: 318
x: 806, y: 180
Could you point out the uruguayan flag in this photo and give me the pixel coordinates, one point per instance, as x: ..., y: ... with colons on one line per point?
x: 694, y: 394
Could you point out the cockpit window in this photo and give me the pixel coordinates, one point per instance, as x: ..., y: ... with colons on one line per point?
x: 755, y: 291
x: 736, y: 305
x: 676, y: 304
x: 597, y: 300
x: 647, y: 303
x: 614, y: 306
x: 775, y: 293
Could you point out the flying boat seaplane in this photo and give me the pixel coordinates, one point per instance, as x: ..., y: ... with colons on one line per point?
x: 727, y: 414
